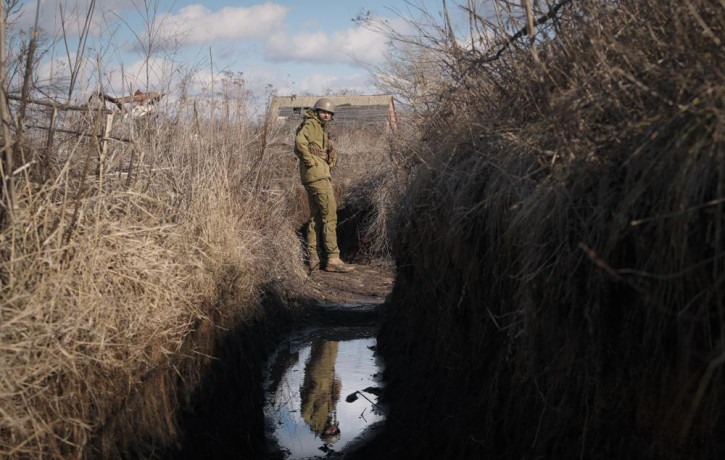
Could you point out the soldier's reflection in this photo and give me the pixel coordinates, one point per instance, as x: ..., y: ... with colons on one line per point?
x: 321, y: 390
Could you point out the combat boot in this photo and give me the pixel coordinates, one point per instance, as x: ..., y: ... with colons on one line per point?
x: 336, y: 265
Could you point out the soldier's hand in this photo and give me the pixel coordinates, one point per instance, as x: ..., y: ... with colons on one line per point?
x: 331, y: 156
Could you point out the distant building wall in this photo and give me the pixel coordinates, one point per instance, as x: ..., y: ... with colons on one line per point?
x: 376, y: 112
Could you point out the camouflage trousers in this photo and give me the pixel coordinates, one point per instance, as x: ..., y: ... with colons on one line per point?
x: 322, y: 225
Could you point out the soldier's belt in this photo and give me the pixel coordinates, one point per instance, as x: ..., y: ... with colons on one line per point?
x: 315, y: 150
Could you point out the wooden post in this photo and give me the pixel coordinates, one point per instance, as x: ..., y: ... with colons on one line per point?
x: 106, y: 133
x: 529, y: 18
x: 392, y: 119
x: 45, y: 174
x: 104, y: 146
x: 101, y: 160
x: 530, y: 27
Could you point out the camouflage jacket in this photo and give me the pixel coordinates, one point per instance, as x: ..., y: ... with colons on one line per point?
x: 314, y: 148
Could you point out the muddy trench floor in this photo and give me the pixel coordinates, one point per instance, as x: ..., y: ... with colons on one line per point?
x: 368, y: 284
x: 212, y: 426
x: 343, y: 299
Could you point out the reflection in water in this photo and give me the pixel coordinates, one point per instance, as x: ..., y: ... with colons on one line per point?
x: 308, y: 416
x: 321, y: 390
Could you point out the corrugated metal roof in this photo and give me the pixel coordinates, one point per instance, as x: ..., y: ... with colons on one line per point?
x: 308, y: 101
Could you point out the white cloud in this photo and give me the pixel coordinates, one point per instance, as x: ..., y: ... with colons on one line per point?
x: 54, y: 15
x: 352, y: 46
x: 306, y: 46
x: 192, y: 24
x: 197, y: 24
x: 320, y: 83
x: 360, y: 44
x: 154, y: 74
x: 54, y: 76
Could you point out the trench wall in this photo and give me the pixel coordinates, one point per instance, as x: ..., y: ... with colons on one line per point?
x: 560, y: 287
x: 206, y: 400
x: 510, y: 336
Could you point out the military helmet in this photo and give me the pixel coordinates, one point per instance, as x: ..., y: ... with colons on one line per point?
x: 325, y: 104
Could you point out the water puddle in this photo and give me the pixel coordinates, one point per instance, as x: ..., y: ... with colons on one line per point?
x: 321, y: 392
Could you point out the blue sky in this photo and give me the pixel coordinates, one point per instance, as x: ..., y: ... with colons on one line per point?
x: 284, y: 46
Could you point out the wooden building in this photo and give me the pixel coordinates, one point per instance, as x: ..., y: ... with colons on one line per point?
x: 374, y: 112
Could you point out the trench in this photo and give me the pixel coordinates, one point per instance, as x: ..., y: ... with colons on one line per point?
x: 289, y: 386
x: 303, y: 379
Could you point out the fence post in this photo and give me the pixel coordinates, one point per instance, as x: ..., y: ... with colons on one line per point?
x: 107, y: 125
x: 530, y: 27
x: 45, y: 174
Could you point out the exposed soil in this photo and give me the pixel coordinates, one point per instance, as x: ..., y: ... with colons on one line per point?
x: 368, y: 284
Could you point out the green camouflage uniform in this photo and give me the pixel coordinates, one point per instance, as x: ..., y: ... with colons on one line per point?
x: 317, y: 155
x: 320, y: 389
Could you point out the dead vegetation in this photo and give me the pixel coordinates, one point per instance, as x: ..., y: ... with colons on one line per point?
x: 560, y: 252
x: 114, y: 281
x: 559, y: 243
x: 128, y: 246
x: 133, y: 243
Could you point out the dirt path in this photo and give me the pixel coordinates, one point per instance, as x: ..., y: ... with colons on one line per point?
x: 368, y: 285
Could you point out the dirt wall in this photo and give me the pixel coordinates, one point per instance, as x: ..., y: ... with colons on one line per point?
x: 559, y: 289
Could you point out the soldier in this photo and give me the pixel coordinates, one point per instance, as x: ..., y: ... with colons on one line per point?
x: 317, y: 155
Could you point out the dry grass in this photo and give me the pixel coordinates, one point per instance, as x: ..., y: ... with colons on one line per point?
x: 370, y: 179
x: 561, y: 250
x: 115, y: 287
x: 123, y: 268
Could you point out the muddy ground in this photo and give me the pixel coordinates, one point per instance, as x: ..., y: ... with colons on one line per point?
x: 369, y: 284
x: 214, y: 426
